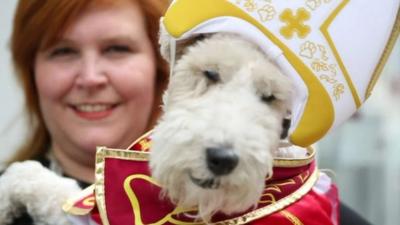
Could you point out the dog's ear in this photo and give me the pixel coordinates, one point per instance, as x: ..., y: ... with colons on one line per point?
x: 164, y: 40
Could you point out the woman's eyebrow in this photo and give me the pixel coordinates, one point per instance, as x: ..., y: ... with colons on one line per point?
x: 119, y: 38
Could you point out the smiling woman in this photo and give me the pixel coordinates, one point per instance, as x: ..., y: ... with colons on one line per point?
x: 97, y: 82
x: 91, y: 74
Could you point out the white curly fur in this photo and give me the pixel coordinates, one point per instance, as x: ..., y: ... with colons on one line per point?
x: 28, y: 185
x: 199, y: 113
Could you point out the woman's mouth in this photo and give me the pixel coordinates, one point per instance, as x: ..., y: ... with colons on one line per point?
x: 94, y: 111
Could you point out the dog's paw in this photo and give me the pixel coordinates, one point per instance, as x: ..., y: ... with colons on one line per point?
x: 40, y: 191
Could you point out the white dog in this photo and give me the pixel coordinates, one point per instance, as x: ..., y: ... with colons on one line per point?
x: 223, y: 114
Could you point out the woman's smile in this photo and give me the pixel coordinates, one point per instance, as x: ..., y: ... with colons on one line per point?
x: 94, y: 111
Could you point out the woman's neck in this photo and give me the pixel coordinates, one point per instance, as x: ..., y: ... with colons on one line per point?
x: 78, y: 168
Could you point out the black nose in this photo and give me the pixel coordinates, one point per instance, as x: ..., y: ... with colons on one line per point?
x: 221, y: 161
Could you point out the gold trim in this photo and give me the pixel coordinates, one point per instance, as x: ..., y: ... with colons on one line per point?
x: 324, y: 30
x: 140, y: 138
x: 385, y: 55
x: 68, y: 206
x: 167, y: 219
x: 125, y: 154
x: 290, y: 163
x: 99, y: 184
x: 280, y: 204
x: 292, y: 218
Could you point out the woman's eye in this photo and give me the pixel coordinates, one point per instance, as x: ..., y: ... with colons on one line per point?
x: 62, y: 51
x: 268, y: 98
x: 118, y: 49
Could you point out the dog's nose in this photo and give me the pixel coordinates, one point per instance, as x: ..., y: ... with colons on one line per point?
x: 221, y: 161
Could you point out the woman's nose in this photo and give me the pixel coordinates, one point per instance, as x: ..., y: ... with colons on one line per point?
x: 91, y: 74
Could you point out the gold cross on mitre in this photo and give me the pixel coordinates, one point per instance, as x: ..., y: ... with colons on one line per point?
x: 332, y: 49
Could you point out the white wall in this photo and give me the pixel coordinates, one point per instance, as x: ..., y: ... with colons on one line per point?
x: 11, y: 126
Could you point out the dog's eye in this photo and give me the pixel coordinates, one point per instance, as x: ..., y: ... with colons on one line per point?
x: 268, y: 98
x: 212, y: 75
x: 200, y: 37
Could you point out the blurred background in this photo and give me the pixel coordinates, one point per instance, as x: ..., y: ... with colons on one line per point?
x: 364, y: 153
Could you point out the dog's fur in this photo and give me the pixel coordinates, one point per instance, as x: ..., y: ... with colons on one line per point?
x: 239, y: 108
x: 30, y: 187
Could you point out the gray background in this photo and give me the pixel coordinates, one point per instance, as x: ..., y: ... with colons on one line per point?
x: 11, y: 107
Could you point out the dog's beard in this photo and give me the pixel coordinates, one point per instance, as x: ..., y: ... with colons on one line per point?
x: 233, y: 194
x: 178, y: 163
x: 229, y: 194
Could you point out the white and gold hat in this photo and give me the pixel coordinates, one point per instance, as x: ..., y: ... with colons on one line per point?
x: 334, y: 50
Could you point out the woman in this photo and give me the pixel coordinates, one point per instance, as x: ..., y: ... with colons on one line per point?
x: 91, y: 75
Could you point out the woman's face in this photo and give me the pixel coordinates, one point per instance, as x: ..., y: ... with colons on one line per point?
x: 96, y: 85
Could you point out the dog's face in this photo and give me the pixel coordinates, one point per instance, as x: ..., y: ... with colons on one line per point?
x: 222, y: 121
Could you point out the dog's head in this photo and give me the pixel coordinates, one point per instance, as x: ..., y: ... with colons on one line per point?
x: 222, y: 122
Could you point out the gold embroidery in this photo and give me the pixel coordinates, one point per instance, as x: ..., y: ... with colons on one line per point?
x: 69, y: 205
x: 313, y: 4
x: 324, y: 30
x: 292, y: 218
x: 250, y: 5
x: 136, y: 204
x: 328, y: 79
x: 323, y: 51
x: 295, y: 23
x: 266, y: 13
x: 308, y: 49
x: 89, y: 201
x: 278, y: 205
x: 146, y: 145
x: 269, y: 198
x: 303, y: 179
x: 321, y: 66
x: 338, y: 90
x: 272, y: 188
